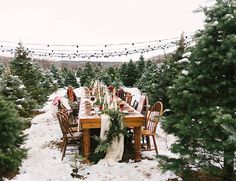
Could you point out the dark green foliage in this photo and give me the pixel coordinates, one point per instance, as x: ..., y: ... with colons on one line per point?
x: 168, y: 72
x: 13, y: 90
x: 70, y: 79
x: 30, y: 74
x: 155, y: 80
x: 116, y: 128
x: 56, y: 75
x: 128, y: 73
x: 48, y: 82
x: 140, y: 65
x: 148, y: 82
x: 104, y: 77
x: 122, y: 72
x: 78, y: 72
x: 87, y: 75
x: 203, y: 102
x: 110, y: 76
x: 11, y: 138
x: 111, y: 73
x: 2, y: 67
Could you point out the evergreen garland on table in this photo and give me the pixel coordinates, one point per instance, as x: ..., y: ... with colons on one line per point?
x: 116, y: 128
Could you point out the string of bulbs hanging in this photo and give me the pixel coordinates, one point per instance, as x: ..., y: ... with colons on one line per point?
x: 93, y: 51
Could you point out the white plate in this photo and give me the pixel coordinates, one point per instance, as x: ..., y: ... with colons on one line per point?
x: 125, y: 112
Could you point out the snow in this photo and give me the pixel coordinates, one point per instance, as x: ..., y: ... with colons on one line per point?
x: 215, y: 23
x: 20, y: 100
x: 185, y: 72
x: 187, y: 54
x: 19, y: 106
x: 183, y: 60
x: 21, y: 87
x: 44, y: 156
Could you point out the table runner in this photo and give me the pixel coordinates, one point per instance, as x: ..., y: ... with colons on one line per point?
x: 115, y: 152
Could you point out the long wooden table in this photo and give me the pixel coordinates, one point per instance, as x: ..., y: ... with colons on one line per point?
x: 133, y: 120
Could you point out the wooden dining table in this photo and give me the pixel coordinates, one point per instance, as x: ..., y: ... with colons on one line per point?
x: 133, y: 120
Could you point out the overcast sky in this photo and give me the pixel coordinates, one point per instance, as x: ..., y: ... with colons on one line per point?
x: 97, y: 21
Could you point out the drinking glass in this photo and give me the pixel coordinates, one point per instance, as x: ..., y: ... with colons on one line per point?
x: 122, y: 105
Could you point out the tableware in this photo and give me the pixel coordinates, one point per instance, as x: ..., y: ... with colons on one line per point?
x: 121, y: 105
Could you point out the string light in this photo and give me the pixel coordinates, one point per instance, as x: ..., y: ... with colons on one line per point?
x: 86, y: 51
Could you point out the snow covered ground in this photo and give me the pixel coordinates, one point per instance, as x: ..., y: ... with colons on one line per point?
x: 44, y: 156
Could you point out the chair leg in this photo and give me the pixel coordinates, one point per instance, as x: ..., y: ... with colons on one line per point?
x: 148, y: 143
x: 64, y: 150
x: 155, y: 144
x: 142, y: 139
x: 62, y: 145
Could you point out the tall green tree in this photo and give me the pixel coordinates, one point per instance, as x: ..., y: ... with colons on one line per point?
x: 11, y: 138
x: 140, y: 66
x: 130, y: 74
x: 2, y: 67
x: 13, y: 89
x: 147, y: 83
x: 122, y: 72
x: 30, y: 74
x: 48, y: 82
x: 56, y: 75
x: 71, y: 79
x: 87, y: 75
x: 203, y: 99
x: 78, y: 72
x: 172, y: 65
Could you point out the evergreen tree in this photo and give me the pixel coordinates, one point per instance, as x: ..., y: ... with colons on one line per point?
x: 11, y: 139
x: 104, y: 77
x: 13, y: 90
x: 30, y: 74
x: 56, y: 75
x: 172, y: 65
x: 87, y: 75
x: 78, y: 72
x: 122, y: 72
x: 203, y: 99
x: 147, y: 82
x: 2, y: 67
x: 140, y: 66
x: 148, y: 63
x: 71, y: 79
x: 48, y: 82
x: 130, y: 74
x: 111, y: 73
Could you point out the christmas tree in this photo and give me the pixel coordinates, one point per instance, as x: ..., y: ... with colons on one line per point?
x: 56, y: 75
x: 2, y: 67
x: 128, y: 73
x: 87, y: 75
x: 140, y: 65
x: 147, y: 82
x: 11, y: 139
x: 203, y: 99
x: 30, y: 74
x: 13, y: 89
x: 172, y: 65
x: 70, y: 79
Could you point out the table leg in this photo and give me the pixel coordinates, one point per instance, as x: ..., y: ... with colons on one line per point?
x: 86, y: 144
x: 137, y: 143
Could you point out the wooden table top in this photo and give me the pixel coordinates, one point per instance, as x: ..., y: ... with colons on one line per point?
x: 131, y: 119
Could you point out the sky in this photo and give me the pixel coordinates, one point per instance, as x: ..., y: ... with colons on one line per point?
x: 97, y: 22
